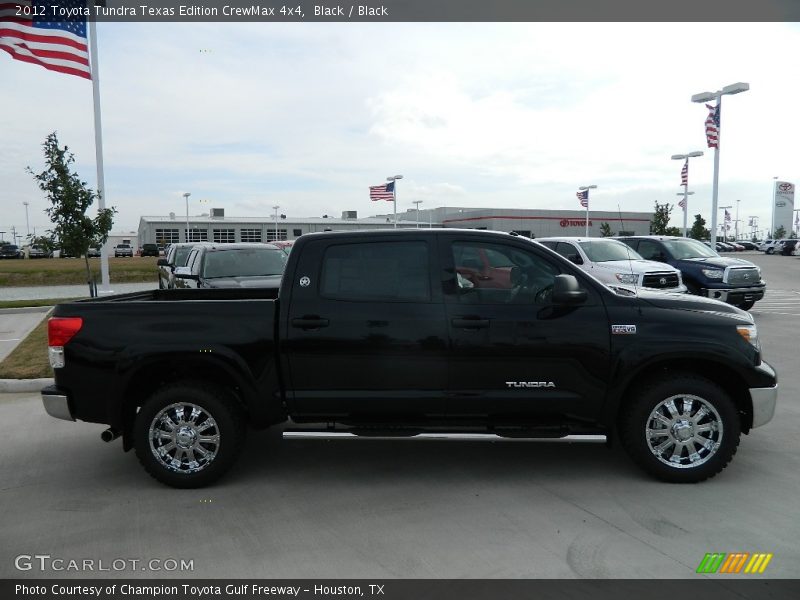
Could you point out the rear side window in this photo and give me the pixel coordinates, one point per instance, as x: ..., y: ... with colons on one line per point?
x: 377, y: 271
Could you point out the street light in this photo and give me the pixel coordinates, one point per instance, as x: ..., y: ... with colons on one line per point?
x: 734, y: 88
x: 686, y: 191
x: 394, y: 178
x: 186, y: 197
x: 586, y: 188
x: 27, y: 224
x: 417, y: 202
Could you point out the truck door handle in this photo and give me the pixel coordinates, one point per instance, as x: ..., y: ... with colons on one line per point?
x: 471, y: 323
x: 310, y: 323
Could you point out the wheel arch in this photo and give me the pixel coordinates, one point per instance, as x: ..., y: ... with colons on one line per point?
x: 722, y: 375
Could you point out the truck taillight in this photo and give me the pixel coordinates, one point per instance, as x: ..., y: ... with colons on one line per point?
x: 61, y: 329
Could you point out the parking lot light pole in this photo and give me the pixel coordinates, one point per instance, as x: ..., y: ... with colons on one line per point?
x: 27, y: 223
x: 686, y: 193
x: 583, y: 188
x: 703, y: 97
x: 275, y: 208
x: 417, y: 202
x: 186, y: 197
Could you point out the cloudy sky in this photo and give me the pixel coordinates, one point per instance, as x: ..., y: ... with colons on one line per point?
x: 306, y: 116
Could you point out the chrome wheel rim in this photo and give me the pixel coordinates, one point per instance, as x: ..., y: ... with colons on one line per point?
x: 684, y: 431
x: 184, y: 438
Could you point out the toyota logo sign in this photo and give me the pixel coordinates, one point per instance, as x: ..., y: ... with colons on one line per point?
x: 786, y: 187
x: 663, y: 281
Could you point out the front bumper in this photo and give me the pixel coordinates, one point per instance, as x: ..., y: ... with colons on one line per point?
x: 56, y: 404
x: 764, y: 400
x: 735, y: 295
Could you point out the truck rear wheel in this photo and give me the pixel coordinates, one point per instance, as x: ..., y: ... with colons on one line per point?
x: 187, y: 435
x: 681, y: 429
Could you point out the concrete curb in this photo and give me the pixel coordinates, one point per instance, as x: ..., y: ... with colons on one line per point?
x: 10, y: 386
x: 26, y: 309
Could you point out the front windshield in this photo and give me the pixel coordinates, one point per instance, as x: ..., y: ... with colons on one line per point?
x: 606, y: 250
x: 681, y: 249
x: 244, y: 262
x: 181, y: 254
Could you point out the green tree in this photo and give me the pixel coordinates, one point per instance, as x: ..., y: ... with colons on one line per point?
x: 673, y: 231
x: 44, y: 242
x: 698, y: 230
x: 605, y: 230
x: 660, y: 222
x: 780, y: 233
x: 69, y: 199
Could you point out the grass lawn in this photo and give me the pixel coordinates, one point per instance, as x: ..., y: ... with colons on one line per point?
x: 72, y: 271
x: 29, y: 360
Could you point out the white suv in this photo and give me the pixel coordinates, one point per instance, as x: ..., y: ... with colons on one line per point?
x: 616, y: 264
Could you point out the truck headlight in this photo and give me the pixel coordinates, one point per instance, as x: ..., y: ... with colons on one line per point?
x: 627, y: 277
x: 750, y: 334
x: 713, y: 273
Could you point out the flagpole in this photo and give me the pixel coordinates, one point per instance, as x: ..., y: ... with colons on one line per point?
x: 98, y: 148
x: 686, y: 201
x: 587, y: 217
x: 394, y: 179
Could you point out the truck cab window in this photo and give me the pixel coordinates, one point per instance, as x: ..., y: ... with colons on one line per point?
x: 387, y: 271
x: 494, y: 274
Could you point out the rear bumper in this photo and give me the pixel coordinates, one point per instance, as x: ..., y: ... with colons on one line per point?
x: 764, y: 401
x: 56, y: 404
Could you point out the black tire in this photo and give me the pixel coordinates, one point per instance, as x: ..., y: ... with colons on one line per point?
x: 212, y: 460
x: 746, y: 305
x: 637, y: 417
x: 770, y: 251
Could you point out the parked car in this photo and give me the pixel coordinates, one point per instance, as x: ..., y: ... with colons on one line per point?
x: 748, y: 245
x: 123, y: 250
x: 285, y: 245
x: 37, y: 252
x: 232, y: 265
x: 763, y: 245
x: 615, y: 263
x: 149, y: 250
x: 705, y: 273
x: 787, y: 248
x: 10, y: 251
x: 370, y: 333
x: 93, y: 253
x: 769, y: 247
x: 724, y: 247
x: 175, y: 257
x: 736, y: 246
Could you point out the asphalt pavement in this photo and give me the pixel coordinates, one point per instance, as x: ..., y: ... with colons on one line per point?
x: 403, y: 509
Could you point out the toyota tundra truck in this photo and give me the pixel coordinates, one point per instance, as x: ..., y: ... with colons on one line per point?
x: 375, y: 334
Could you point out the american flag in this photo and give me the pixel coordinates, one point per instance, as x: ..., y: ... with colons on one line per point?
x: 56, y: 45
x: 583, y: 196
x: 685, y: 173
x: 682, y: 204
x: 727, y: 216
x: 712, y: 126
x: 382, y: 192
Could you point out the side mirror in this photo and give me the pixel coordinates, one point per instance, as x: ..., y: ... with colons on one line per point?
x: 185, y: 273
x: 575, y: 259
x: 567, y: 290
x: 162, y: 262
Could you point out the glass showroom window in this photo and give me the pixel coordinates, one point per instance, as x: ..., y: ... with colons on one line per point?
x: 198, y: 235
x: 167, y: 236
x: 271, y: 237
x: 251, y: 235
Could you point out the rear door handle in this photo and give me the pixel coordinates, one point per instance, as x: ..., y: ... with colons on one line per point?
x: 310, y: 323
x: 471, y: 323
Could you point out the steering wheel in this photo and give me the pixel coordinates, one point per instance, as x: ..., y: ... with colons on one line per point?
x: 543, y: 295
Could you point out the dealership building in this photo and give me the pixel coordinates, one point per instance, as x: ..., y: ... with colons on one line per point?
x: 218, y: 228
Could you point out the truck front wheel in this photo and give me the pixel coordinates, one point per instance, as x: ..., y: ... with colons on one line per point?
x: 681, y: 429
x: 187, y: 435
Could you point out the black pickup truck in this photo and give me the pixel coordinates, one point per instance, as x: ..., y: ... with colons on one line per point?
x: 376, y: 333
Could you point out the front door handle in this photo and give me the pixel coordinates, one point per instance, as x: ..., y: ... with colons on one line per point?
x: 471, y: 323
x: 310, y: 323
